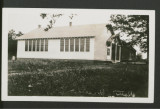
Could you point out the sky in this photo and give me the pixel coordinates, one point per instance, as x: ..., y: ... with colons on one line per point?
x: 27, y: 19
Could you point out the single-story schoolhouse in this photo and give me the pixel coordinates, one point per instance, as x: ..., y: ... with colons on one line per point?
x: 83, y: 42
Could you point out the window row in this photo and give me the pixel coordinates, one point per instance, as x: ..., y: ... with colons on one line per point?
x: 75, y: 44
x: 36, y: 45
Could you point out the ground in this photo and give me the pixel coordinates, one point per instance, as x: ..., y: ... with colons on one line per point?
x: 44, y: 77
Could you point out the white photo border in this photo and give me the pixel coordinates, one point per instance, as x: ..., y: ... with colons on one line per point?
x: 4, y: 83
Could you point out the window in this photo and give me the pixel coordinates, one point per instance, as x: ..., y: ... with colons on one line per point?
x: 108, y: 51
x: 77, y: 44
x: 26, y: 45
x: 82, y: 44
x: 72, y: 44
x: 42, y: 45
x: 46, y: 45
x: 61, y: 44
x: 66, y: 44
x: 34, y: 44
x: 87, y: 44
x: 30, y: 45
x: 38, y: 42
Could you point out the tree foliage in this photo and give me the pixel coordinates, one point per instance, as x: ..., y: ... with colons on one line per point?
x: 12, y: 43
x: 52, y: 19
x: 110, y: 28
x: 135, y: 27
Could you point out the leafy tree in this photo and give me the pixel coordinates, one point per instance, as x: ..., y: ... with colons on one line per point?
x: 110, y: 28
x: 11, y: 34
x: 12, y: 43
x: 52, y: 19
x: 19, y: 34
x: 135, y: 27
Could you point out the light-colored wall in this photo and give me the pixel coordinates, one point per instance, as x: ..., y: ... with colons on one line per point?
x: 100, y: 52
x: 54, y: 51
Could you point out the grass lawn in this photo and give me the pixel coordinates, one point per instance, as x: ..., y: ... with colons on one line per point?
x: 38, y: 77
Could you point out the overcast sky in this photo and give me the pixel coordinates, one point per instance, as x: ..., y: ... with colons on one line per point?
x: 27, y: 19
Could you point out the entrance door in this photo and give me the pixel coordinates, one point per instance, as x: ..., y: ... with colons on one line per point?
x: 113, y: 52
x: 117, y: 56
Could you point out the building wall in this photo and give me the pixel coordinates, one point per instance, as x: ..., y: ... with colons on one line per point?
x: 54, y: 51
x: 100, y: 52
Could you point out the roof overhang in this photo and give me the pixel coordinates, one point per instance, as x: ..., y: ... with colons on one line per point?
x: 55, y: 37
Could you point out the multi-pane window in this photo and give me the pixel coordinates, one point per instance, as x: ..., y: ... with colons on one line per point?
x: 26, y: 45
x: 87, y: 44
x: 36, y: 45
x: 38, y: 42
x: 61, y: 44
x: 30, y: 45
x: 66, y: 44
x: 71, y: 44
x: 46, y: 45
x: 82, y: 44
x: 77, y: 44
x: 42, y: 45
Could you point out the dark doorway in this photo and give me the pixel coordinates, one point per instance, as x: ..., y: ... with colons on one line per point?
x: 117, y: 56
x: 113, y: 51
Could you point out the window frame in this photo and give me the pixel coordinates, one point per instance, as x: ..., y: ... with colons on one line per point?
x: 42, y: 45
x: 67, y: 45
x: 82, y: 44
x: 46, y: 45
x: 72, y: 45
x: 77, y: 44
x: 32, y: 45
x: 88, y: 44
x: 26, y: 45
x: 62, y: 46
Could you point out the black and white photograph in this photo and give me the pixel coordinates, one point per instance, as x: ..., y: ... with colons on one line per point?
x: 82, y: 55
